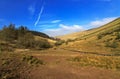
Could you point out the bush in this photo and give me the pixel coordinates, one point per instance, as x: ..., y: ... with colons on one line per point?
x: 59, y: 42
x: 9, y: 33
x: 113, y: 44
x: 69, y: 40
x: 6, y: 47
x: 108, y: 32
x: 27, y: 41
x: 22, y: 38
x: 99, y: 36
x: 41, y: 44
x: 118, y: 36
x: 32, y: 60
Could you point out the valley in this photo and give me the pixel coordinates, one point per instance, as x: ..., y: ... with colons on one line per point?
x: 90, y: 54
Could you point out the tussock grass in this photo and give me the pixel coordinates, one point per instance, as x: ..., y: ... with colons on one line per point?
x: 103, y: 39
x: 97, y: 61
x: 32, y: 60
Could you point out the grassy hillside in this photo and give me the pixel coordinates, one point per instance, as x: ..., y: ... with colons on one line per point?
x: 92, y: 32
x: 104, y: 39
x: 12, y: 38
x: 78, y: 58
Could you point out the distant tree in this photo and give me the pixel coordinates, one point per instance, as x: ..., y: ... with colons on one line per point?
x: 22, y: 37
x: 26, y: 41
x: 9, y: 33
x: 13, y: 32
x: 22, y: 31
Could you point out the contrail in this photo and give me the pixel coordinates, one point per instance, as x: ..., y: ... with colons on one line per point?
x: 39, y: 16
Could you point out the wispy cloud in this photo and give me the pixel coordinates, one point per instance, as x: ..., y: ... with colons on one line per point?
x: 101, y: 22
x: 66, y: 29
x: 31, y: 9
x: 63, y: 29
x: 39, y: 16
x: 56, y: 21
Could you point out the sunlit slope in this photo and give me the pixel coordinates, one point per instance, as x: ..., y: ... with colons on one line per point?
x: 92, y: 32
x: 51, y: 41
x: 104, y: 39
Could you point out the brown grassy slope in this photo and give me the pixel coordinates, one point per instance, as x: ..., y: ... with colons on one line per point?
x: 91, y: 32
x: 88, y: 40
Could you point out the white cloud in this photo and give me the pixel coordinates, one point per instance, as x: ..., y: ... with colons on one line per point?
x: 63, y: 29
x: 39, y: 16
x: 55, y: 21
x: 101, y: 22
x: 31, y: 9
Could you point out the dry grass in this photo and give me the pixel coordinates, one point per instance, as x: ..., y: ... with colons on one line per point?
x: 98, y: 61
x: 49, y: 40
x: 87, y: 40
x: 91, y: 32
x: 56, y: 65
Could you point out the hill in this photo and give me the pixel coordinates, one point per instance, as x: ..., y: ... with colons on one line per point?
x: 36, y: 33
x: 76, y: 58
x: 12, y: 38
x: 104, y: 39
x: 88, y: 33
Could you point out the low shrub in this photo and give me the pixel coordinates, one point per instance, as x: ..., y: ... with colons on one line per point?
x: 98, y: 61
x: 6, y: 47
x: 59, y: 42
x: 6, y: 62
x: 32, y: 60
x: 118, y: 36
x: 113, y: 44
x: 28, y: 41
x: 99, y: 36
x: 42, y: 44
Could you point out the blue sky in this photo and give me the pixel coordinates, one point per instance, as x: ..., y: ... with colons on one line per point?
x: 58, y: 17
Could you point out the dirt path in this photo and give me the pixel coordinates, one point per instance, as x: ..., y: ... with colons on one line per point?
x: 94, y: 53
